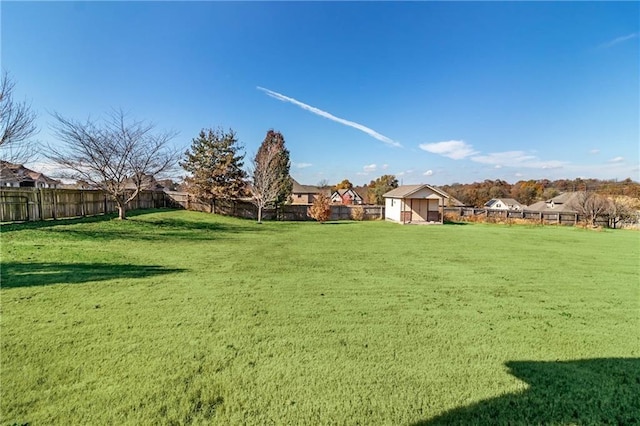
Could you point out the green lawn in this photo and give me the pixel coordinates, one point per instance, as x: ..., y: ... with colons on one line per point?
x: 177, y: 317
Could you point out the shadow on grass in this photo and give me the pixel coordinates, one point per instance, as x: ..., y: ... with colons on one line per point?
x: 39, y: 224
x: 140, y: 228
x: 17, y: 274
x: 591, y: 391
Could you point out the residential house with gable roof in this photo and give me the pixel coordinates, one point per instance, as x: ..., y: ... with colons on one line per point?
x: 305, y: 194
x: 346, y: 196
x: 562, y: 203
x: 504, y: 204
x: 18, y: 176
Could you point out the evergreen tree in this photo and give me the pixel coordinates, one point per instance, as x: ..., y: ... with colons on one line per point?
x: 215, y: 166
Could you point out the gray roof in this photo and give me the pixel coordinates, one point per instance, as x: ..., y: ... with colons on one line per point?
x: 561, y: 203
x: 405, y: 191
x: 305, y: 189
x: 507, y: 201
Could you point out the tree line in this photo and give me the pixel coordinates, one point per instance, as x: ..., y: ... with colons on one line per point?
x: 530, y: 191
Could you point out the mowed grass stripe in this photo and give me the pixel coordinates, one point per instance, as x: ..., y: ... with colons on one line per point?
x: 177, y: 317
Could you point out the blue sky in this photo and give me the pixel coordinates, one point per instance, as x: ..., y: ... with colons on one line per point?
x: 433, y: 92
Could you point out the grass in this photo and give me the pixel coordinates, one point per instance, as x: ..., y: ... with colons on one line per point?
x: 177, y: 317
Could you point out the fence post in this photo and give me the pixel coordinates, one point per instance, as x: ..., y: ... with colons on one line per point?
x: 55, y: 205
x: 40, y: 204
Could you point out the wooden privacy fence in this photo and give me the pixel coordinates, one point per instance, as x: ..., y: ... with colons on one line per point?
x: 544, y: 217
x: 28, y: 204
x: 244, y: 208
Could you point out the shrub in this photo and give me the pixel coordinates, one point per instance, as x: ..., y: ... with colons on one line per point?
x: 357, y: 213
x: 320, y: 210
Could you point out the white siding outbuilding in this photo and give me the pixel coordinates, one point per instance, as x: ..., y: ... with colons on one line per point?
x: 415, y: 204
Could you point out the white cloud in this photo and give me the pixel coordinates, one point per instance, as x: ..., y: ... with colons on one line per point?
x: 518, y: 175
x: 618, y: 40
x: 370, y: 168
x: 517, y: 159
x: 456, y: 150
x: 594, y: 151
x: 332, y: 117
x: 428, y: 173
x: 497, y: 166
x: 385, y: 167
x: 617, y: 160
x: 404, y: 173
x: 302, y: 165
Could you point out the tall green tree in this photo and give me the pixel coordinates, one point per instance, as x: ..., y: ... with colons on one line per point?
x: 377, y: 188
x: 271, y: 182
x: 214, y: 164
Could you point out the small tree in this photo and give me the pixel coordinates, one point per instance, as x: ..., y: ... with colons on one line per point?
x: 215, y: 166
x: 116, y: 155
x: 377, y: 188
x: 323, y: 184
x: 320, y: 210
x: 271, y: 183
x: 357, y: 213
x: 591, y: 205
x: 623, y: 209
x: 265, y: 183
x: 345, y: 184
x: 17, y: 125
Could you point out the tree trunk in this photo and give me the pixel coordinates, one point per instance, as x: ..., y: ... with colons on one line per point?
x: 259, y: 214
x: 122, y: 208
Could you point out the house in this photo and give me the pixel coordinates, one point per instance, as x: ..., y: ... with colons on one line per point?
x: 415, y: 204
x: 18, y: 176
x: 346, y: 196
x: 147, y: 182
x: 504, y: 204
x: 305, y: 194
x: 562, y: 203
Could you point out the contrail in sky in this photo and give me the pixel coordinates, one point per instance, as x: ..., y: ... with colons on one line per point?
x: 332, y: 117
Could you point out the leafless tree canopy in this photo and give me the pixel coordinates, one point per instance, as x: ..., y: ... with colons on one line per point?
x: 17, y: 125
x: 266, y: 177
x: 116, y: 155
x: 591, y: 205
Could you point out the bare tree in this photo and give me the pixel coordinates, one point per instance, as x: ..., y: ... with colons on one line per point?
x: 266, y: 179
x: 591, y: 205
x: 624, y: 209
x: 115, y: 155
x: 17, y: 125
